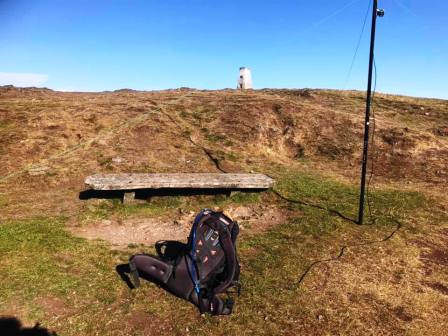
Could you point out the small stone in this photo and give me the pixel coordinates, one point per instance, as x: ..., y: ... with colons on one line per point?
x: 38, y: 170
x: 118, y: 159
x: 240, y: 212
x: 320, y: 317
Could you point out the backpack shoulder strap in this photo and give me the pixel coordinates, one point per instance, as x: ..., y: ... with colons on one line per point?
x: 228, y: 247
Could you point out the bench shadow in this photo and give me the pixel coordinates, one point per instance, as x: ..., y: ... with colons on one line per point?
x: 102, y: 194
x: 146, y: 194
x: 11, y: 326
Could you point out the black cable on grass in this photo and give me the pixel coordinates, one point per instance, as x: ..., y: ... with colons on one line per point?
x: 345, y: 247
x: 369, y: 183
x: 317, y: 206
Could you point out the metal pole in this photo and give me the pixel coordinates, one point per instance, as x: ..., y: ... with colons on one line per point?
x: 375, y: 13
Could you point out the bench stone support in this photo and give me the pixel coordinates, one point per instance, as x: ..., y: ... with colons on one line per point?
x: 128, y: 197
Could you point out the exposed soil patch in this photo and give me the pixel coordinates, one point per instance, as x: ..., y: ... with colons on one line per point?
x: 402, y: 314
x: 258, y: 217
x: 441, y: 131
x: 437, y: 286
x: 52, y: 305
x: 432, y: 256
x: 432, y: 253
x: 437, y: 256
x: 333, y: 151
x: 384, y: 315
x: 145, y: 323
x: 121, y: 233
x: 397, y: 138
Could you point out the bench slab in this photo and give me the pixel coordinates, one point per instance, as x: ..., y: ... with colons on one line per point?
x: 178, y: 180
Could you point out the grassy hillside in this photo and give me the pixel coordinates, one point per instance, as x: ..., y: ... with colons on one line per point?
x: 307, y: 268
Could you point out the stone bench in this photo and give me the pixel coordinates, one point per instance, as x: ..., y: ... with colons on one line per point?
x: 179, y: 183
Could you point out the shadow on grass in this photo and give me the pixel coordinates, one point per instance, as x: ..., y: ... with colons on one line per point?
x: 11, y: 326
x: 317, y: 206
x: 146, y: 194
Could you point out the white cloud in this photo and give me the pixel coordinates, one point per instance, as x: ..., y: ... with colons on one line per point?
x: 22, y: 79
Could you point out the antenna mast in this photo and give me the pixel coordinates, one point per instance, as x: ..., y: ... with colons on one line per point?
x: 375, y: 12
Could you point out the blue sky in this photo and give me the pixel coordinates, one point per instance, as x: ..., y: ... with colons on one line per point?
x: 157, y: 44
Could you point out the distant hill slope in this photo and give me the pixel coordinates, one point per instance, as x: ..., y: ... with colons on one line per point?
x: 50, y: 140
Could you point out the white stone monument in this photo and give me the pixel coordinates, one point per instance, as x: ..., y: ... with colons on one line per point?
x: 245, y: 79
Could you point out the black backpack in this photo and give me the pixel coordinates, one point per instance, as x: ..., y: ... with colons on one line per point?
x: 201, y: 269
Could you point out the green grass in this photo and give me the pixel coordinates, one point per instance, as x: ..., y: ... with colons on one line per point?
x: 184, y: 114
x: 103, y: 209
x: 159, y: 206
x: 6, y: 127
x: 215, y: 137
x: 39, y: 258
x: 3, y: 201
x: 344, y: 198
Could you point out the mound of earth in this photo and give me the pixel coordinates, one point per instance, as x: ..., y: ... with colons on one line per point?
x: 50, y: 141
